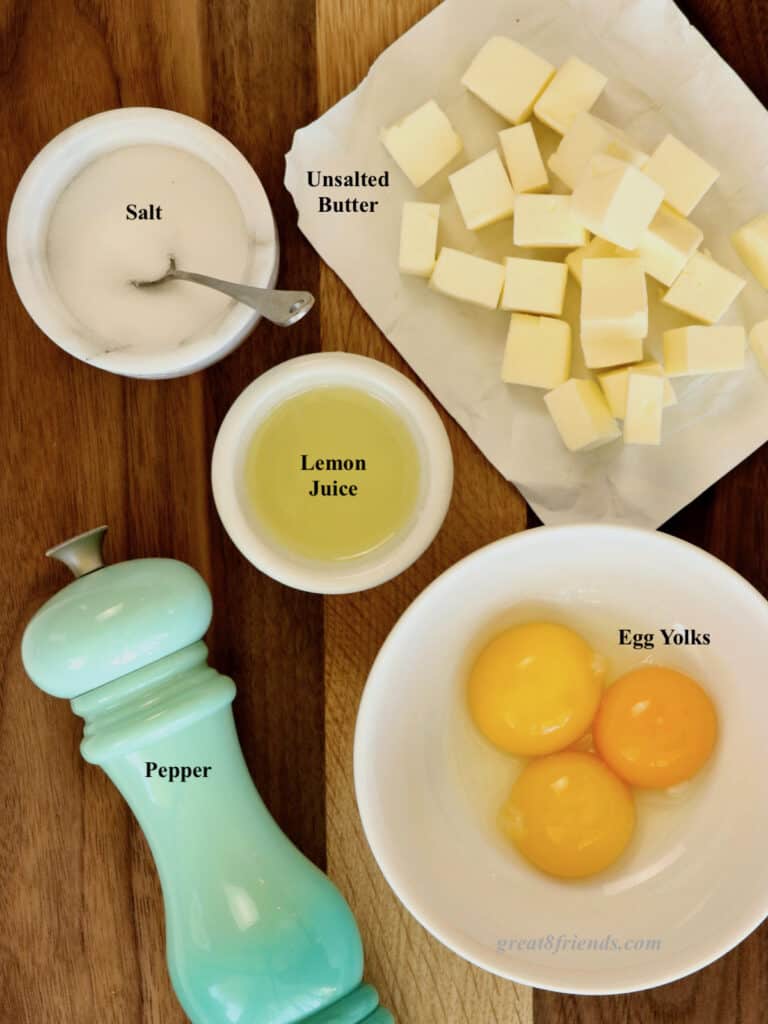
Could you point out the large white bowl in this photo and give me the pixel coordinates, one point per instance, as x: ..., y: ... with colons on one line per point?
x: 694, y: 881
x: 53, y: 169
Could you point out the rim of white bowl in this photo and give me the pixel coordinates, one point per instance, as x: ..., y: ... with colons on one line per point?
x: 54, y: 167
x: 381, y: 845
x: 293, y: 377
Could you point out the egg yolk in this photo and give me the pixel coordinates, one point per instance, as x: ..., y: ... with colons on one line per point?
x: 655, y: 727
x: 535, y: 689
x: 569, y: 815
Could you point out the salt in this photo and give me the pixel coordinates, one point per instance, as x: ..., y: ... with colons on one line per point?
x: 97, y: 246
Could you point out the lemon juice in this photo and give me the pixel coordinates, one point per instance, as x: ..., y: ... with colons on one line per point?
x: 333, y: 473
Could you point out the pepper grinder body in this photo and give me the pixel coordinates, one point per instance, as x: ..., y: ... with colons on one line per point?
x: 254, y: 932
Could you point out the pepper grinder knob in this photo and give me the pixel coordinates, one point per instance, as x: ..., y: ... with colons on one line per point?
x: 82, y: 554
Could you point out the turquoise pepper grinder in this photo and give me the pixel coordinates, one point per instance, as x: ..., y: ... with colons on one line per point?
x: 255, y: 933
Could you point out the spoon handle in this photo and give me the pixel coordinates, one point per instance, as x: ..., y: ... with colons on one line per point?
x: 280, y: 307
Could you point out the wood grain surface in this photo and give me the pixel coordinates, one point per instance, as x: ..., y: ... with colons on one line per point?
x: 82, y: 940
x: 420, y: 980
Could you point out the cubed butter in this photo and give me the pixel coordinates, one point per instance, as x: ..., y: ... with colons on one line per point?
x: 546, y: 222
x: 683, y: 175
x: 581, y: 415
x: 574, y: 90
x: 587, y: 137
x: 422, y: 143
x: 483, y: 191
x: 704, y: 289
x: 614, y: 311
x: 645, y: 402
x: 523, y: 158
x: 751, y: 243
x: 611, y: 350
x: 595, y: 249
x: 418, y: 238
x: 689, y: 350
x: 616, y: 201
x: 538, y: 351
x: 668, y: 244
x: 758, y: 342
x: 534, y: 286
x: 467, y: 277
x: 508, y: 77
x: 614, y: 385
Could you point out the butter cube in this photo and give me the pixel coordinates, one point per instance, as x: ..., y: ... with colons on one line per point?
x: 467, y: 277
x: 668, y: 244
x: 574, y: 89
x: 422, y: 143
x: 587, y: 137
x: 538, y: 351
x: 610, y: 351
x: 534, y: 286
x: 616, y: 201
x: 595, y: 249
x: 581, y: 415
x: 483, y: 191
x: 418, y: 238
x: 546, y: 222
x: 614, y: 385
x: 508, y: 77
x: 704, y: 289
x: 645, y: 401
x: 690, y: 350
x: 758, y: 342
x: 751, y: 243
x: 614, y: 311
x: 683, y: 175
x: 523, y: 159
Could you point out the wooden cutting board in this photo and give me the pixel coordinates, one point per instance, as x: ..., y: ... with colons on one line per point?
x: 83, y: 923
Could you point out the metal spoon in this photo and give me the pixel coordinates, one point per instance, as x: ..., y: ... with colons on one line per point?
x: 281, y: 307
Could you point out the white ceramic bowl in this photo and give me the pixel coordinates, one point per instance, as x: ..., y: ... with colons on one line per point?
x: 338, y: 369
x: 694, y: 881
x: 52, y: 170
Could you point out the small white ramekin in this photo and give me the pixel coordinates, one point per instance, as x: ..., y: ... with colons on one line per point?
x: 257, y: 402
x: 52, y: 170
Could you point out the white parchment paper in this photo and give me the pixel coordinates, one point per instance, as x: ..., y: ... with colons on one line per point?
x: 663, y: 77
